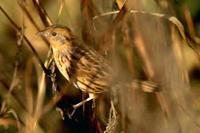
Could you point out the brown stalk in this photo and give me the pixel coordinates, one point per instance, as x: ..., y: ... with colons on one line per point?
x: 128, y: 49
x: 192, y: 34
x: 24, y: 9
x: 110, y: 31
x: 43, y: 14
x: 4, y: 108
x: 41, y: 90
x: 120, y: 15
x: 88, y: 10
x: 16, y: 97
x: 15, y: 79
x: 25, y: 38
x: 57, y: 97
x: 6, y: 86
x: 27, y: 82
x: 189, y: 21
x: 60, y: 9
x: 42, y: 84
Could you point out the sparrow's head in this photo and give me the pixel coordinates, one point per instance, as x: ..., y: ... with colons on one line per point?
x: 57, y: 35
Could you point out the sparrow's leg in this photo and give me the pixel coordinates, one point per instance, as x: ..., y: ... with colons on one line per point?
x: 91, y: 97
x: 83, y: 102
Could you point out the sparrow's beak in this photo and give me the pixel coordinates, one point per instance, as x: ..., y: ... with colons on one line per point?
x: 40, y: 33
x: 43, y: 33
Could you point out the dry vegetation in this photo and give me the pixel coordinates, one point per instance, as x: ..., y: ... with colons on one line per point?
x: 143, y: 40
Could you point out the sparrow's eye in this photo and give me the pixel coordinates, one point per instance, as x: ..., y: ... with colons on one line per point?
x: 53, y: 33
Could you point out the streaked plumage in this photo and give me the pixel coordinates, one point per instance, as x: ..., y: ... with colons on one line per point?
x: 85, y: 67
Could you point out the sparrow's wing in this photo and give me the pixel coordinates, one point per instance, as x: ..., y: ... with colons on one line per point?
x: 91, y: 70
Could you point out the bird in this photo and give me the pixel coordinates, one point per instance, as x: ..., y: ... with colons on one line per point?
x: 84, y: 66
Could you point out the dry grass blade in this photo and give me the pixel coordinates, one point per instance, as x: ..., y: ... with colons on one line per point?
x: 112, y: 121
x: 103, y: 15
x: 110, y: 30
x: 18, y: 121
x: 16, y: 98
x: 36, y: 55
x: 15, y: 79
x: 14, y: 82
x: 120, y: 3
x: 60, y: 9
x: 192, y: 34
x: 9, y: 18
x: 43, y: 14
x: 88, y: 10
x: 118, y: 18
x: 25, y: 38
x: 5, y: 111
x: 42, y: 84
x: 39, y: 101
x: 179, y: 25
x: 172, y: 19
x: 35, y: 113
x: 120, y: 15
x: 28, y: 91
x: 189, y: 21
x: 38, y: 111
x: 24, y: 9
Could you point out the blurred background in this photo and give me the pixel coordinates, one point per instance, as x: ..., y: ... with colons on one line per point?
x: 142, y: 40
